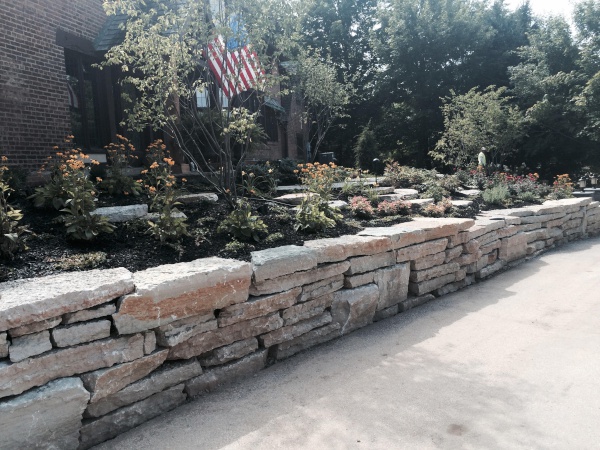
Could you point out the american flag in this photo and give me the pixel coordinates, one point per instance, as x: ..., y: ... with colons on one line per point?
x: 235, y: 70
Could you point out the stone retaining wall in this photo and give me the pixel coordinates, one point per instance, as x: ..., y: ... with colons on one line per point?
x: 86, y: 356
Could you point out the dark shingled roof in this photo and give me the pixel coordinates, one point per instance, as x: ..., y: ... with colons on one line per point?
x: 111, y: 33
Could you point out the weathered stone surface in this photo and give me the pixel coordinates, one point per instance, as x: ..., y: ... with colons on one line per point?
x: 279, y: 261
x: 491, y: 269
x: 45, y: 418
x: 531, y: 226
x: 149, y: 342
x: 508, y: 231
x: 167, y: 293
x: 393, y: 197
x: 194, y: 199
x: 385, y: 313
x: 3, y: 345
x: 107, y: 381
x: 407, y: 193
x: 429, y: 261
x: 363, y: 264
x: 290, y: 332
x: 418, y: 276
x: 123, y: 419
x: 18, y: 377
x: 153, y: 217
x: 449, y: 288
x: 34, y: 327
x: 355, y: 308
x: 515, y: 212
x: 298, y: 279
x: 204, y: 342
x: 536, y: 235
x: 513, y: 247
x: 81, y: 332
x: 420, y: 230
x: 419, y: 251
x: 212, y: 379
x: 306, y: 310
x: 117, y: 214
x: 89, y: 314
x: 468, y: 258
x: 462, y: 203
x: 417, y: 203
x: 230, y: 352
x: 490, y: 247
x: 453, y: 253
x: 488, y: 237
x: 323, y: 287
x: 425, y: 287
x: 166, y: 376
x: 413, y: 302
x: 458, y: 239
x: 23, y: 302
x: 29, y: 345
x: 355, y: 281
x: 470, y: 192
x: 344, y: 247
x: 484, y: 226
x: 339, y: 204
x: 307, y: 340
x: 476, y: 266
x: 393, y: 285
x: 294, y: 199
x: 258, y: 306
x: 542, y: 218
x: 181, y: 330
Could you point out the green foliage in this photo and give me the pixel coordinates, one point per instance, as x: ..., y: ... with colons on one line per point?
x: 242, y: 224
x: 496, y: 195
x: 407, y: 177
x: 438, y: 209
x: 366, y: 148
x: 393, y: 208
x: 475, y: 120
x: 81, y: 261
x: 12, y: 235
x: 319, y: 178
x: 169, y: 226
x: 274, y: 237
x: 259, y: 180
x: 562, y: 187
x: 120, y: 156
x: 315, y: 214
x: 435, y: 191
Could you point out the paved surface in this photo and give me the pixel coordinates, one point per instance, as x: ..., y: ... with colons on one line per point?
x: 510, y: 363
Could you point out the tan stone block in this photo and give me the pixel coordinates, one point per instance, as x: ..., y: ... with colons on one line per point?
x: 370, y: 263
x: 23, y: 302
x: 355, y: 308
x: 181, y: 330
x: 490, y: 247
x: 358, y: 280
x: 90, y: 314
x: 428, y: 261
x: 290, y: 332
x: 435, y: 272
x: 419, y: 251
x: 35, y: 327
x: 472, y: 246
x: 4, y: 344
x: 258, y: 306
x: 344, y: 247
x: 149, y: 342
x: 393, y: 285
x: 306, y: 310
x: 514, y: 247
x: 81, y: 332
x: 323, y: 287
x: 280, y: 261
x: 291, y: 281
x: 425, y: 287
x: 167, y: 293
x: 29, y: 345
x: 18, y: 377
x: 103, y: 382
x: 453, y: 253
x: 204, y: 342
x: 508, y: 231
x: 230, y: 352
x: 542, y: 218
x: 458, y: 239
x: 484, y: 226
x: 307, y: 340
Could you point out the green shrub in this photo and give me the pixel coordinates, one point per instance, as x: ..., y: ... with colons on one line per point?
x: 242, y: 224
x: 120, y: 157
x: 12, y: 235
x: 435, y: 191
x: 361, y: 207
x: 496, y: 195
x: 315, y: 214
x: 406, y: 177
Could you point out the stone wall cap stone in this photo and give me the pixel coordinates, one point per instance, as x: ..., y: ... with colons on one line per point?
x: 279, y: 261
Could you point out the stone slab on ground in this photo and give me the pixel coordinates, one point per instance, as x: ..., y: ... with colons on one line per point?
x: 128, y: 417
x: 18, y: 377
x: 294, y: 199
x: 117, y: 214
x: 280, y: 261
x: 166, y: 376
x: 29, y: 345
x: 170, y: 292
x: 214, y: 378
x: 48, y: 417
x: 23, y: 302
x: 194, y: 199
x: 469, y: 192
x: 355, y: 308
x: 461, y: 203
x: 80, y: 333
x: 420, y: 202
x: 103, y: 382
x: 153, y: 217
x: 339, y: 204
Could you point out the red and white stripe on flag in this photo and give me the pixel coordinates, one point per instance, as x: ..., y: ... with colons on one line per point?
x: 235, y: 70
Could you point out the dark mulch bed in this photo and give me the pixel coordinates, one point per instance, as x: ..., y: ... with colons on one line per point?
x: 131, y: 247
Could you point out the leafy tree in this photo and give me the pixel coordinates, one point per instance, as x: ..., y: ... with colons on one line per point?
x: 366, y: 148
x: 475, y: 120
x: 161, y: 60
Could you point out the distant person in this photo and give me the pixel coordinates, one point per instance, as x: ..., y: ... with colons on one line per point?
x: 482, y: 160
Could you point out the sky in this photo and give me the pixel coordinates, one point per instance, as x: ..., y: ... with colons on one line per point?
x: 545, y: 7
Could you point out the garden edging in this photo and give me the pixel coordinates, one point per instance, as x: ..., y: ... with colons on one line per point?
x: 85, y: 356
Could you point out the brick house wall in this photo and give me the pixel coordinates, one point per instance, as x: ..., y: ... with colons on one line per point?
x: 34, y: 103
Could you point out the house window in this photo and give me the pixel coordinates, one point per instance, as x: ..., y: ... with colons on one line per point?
x: 202, y: 98
x: 85, y: 88
x: 270, y: 124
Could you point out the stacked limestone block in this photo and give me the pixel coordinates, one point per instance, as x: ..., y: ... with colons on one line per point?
x: 424, y: 245
x: 53, y: 331
x: 593, y: 219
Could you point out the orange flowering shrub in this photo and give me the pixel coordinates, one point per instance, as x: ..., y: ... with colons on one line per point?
x: 319, y: 178
x: 562, y: 187
x: 120, y: 157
